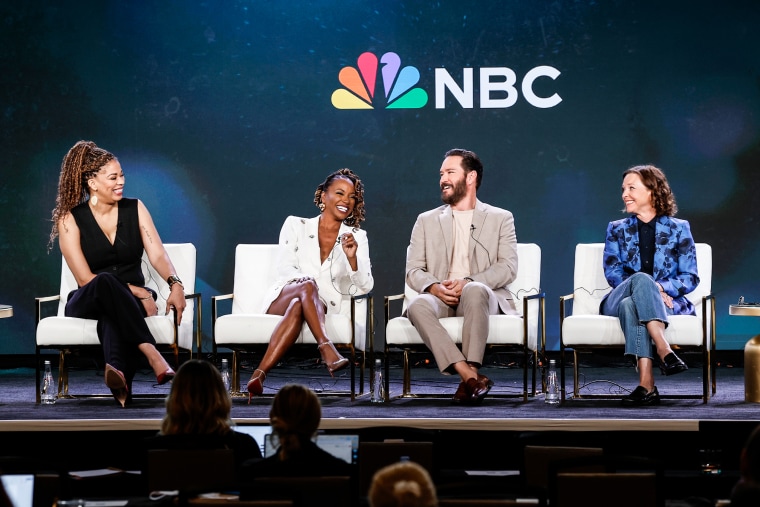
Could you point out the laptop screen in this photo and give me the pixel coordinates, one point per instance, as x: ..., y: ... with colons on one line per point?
x: 20, y: 488
x: 345, y: 447
x: 258, y: 432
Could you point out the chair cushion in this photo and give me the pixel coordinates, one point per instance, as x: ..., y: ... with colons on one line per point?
x: 257, y: 328
x: 70, y: 331
x: 502, y: 330
x: 598, y: 330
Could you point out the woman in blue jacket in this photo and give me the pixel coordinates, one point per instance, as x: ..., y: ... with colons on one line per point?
x: 650, y: 261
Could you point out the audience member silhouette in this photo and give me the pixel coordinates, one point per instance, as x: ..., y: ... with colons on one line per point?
x: 198, y: 415
x: 295, y: 415
x: 746, y: 492
x: 402, y: 484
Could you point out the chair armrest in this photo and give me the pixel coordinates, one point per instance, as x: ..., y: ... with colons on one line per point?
x: 563, y: 305
x: 387, y: 304
x: 541, y: 296
x: 708, y: 302
x: 197, y: 315
x: 38, y: 305
x: 370, y: 316
x: 214, y: 300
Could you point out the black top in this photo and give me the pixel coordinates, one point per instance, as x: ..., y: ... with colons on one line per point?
x: 244, y: 446
x: 123, y: 258
x: 646, y: 245
x: 310, y: 461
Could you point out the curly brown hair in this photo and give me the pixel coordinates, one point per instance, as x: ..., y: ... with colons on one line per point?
x: 663, y: 199
x: 81, y: 163
x: 357, y: 217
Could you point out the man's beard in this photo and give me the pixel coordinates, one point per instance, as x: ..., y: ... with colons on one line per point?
x: 458, y: 191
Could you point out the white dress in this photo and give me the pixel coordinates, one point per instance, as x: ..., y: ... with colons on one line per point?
x: 299, y: 256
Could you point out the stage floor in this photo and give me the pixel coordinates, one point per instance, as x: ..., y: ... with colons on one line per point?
x: 18, y: 410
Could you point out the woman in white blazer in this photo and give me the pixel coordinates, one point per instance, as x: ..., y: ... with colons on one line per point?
x: 323, y: 262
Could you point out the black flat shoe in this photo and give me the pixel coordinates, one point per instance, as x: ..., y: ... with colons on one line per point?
x: 639, y: 397
x: 672, y: 364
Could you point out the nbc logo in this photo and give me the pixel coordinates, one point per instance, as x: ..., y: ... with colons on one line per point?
x: 360, y: 81
x: 498, y: 86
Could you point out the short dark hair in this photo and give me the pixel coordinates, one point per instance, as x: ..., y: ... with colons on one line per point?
x: 470, y: 162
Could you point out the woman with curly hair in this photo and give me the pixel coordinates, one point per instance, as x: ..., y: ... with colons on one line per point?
x: 102, y: 236
x: 323, y: 261
x: 650, y: 261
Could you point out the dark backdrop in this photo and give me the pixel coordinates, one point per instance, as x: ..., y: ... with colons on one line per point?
x: 221, y: 115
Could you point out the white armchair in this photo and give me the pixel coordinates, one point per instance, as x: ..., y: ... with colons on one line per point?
x: 68, y: 334
x: 586, y: 329
x: 246, y: 329
x: 508, y: 332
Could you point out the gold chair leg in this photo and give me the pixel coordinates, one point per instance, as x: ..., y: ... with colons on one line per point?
x: 407, y: 391
x: 235, y: 377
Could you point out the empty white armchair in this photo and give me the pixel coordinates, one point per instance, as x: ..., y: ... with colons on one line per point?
x: 69, y: 334
x: 585, y: 329
x: 523, y: 333
x: 246, y: 329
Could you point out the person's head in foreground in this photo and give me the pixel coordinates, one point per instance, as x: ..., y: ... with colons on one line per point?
x: 402, y: 484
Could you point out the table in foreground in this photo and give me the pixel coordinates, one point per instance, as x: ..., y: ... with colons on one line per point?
x: 751, y: 354
x: 6, y: 311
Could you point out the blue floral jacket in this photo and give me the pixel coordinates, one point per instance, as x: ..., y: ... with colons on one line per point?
x: 675, y: 257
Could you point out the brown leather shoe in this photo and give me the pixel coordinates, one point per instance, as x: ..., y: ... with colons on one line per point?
x: 462, y: 395
x: 479, y: 388
x: 485, y: 379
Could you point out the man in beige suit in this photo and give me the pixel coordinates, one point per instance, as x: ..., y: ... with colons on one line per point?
x: 461, y: 257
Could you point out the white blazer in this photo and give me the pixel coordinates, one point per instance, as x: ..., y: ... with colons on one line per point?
x: 299, y: 257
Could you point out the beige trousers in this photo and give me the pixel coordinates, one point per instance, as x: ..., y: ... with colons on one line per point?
x: 476, y: 303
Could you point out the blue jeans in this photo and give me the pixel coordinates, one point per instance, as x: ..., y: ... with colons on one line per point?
x: 635, y: 302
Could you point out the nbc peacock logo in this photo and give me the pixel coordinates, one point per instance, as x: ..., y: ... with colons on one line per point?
x: 398, y: 84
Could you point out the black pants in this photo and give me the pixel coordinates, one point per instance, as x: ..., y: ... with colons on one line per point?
x: 121, y: 320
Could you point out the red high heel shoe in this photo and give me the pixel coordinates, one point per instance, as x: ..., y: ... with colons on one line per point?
x: 116, y: 382
x: 255, y: 386
x: 163, y: 378
x: 338, y: 363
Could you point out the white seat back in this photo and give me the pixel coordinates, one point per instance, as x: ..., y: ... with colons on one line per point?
x: 255, y: 272
x: 183, y: 257
x: 590, y: 285
x: 526, y: 283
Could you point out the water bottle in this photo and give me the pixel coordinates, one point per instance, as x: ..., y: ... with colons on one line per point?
x: 226, y: 374
x: 552, y: 386
x: 47, y: 395
x: 378, y: 389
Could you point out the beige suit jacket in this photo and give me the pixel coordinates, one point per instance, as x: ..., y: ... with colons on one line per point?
x: 493, y: 250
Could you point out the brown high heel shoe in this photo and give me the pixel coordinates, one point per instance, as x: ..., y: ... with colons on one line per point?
x: 116, y: 382
x: 255, y: 386
x: 163, y: 378
x: 338, y: 363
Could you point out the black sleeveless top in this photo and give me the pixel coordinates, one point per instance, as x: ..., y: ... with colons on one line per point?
x: 123, y: 259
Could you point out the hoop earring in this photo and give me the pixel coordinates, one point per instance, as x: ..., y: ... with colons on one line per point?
x: 93, y: 200
x: 321, y: 206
